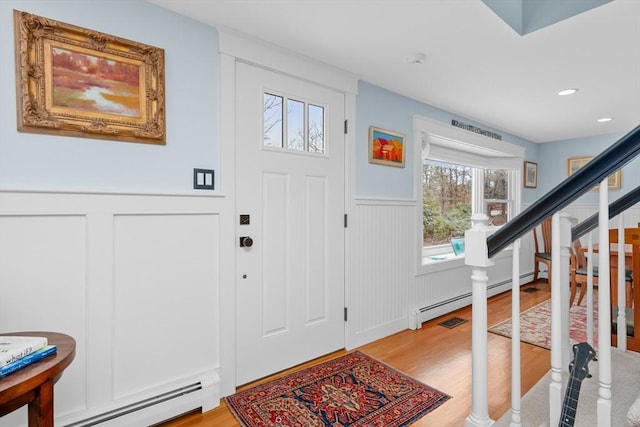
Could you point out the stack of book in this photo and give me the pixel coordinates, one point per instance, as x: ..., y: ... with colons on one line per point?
x: 16, y: 352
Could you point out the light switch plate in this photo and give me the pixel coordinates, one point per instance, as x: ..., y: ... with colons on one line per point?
x: 203, y: 179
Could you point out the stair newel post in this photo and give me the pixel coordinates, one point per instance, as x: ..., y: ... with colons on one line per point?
x: 477, y: 256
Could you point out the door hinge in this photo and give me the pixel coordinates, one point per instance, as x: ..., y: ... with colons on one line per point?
x: 345, y: 220
x: 345, y: 314
x: 346, y: 126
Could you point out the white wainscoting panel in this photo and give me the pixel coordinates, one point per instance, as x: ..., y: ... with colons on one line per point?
x: 42, y: 287
x: 384, y: 289
x: 438, y: 293
x: 134, y: 279
x: 166, y: 268
x: 381, y: 269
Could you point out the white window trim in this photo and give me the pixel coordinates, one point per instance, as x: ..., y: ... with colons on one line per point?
x: 455, y: 145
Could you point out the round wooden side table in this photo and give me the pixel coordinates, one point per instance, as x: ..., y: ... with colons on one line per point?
x: 33, y: 384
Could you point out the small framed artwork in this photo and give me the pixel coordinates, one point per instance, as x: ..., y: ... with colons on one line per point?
x: 530, y: 174
x: 575, y: 163
x: 386, y: 147
x: 73, y: 81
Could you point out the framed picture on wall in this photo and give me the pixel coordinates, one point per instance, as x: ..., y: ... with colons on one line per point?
x: 386, y: 147
x: 73, y: 81
x: 530, y: 174
x: 575, y: 163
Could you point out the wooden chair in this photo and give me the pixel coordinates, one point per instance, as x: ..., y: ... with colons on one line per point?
x: 542, y: 252
x: 631, y: 237
x: 579, y: 273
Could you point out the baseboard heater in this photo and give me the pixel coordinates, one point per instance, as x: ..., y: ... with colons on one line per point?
x: 137, y: 406
x: 429, y: 312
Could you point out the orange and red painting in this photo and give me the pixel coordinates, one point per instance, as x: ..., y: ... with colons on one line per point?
x: 386, y: 147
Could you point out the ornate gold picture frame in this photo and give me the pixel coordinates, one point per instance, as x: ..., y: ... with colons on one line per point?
x: 74, y: 81
x: 574, y: 163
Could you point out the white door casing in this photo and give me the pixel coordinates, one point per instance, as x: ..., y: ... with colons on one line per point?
x: 290, y: 282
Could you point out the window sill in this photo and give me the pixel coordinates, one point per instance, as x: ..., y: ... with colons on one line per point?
x: 441, y: 262
x: 449, y: 261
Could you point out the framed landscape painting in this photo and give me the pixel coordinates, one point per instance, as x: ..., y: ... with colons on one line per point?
x: 386, y: 147
x: 74, y: 81
x: 530, y: 174
x: 575, y: 163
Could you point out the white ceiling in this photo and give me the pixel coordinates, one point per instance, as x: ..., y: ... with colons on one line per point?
x: 476, y: 65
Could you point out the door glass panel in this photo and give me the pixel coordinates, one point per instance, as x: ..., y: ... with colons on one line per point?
x: 316, y: 129
x: 272, y: 111
x: 295, y: 125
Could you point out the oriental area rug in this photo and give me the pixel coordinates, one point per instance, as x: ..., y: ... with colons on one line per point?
x: 535, y: 324
x: 352, y: 390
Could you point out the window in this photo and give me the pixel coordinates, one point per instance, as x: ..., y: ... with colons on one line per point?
x: 496, y: 195
x: 459, y: 174
x: 446, y: 197
x: 448, y: 201
x: 293, y: 125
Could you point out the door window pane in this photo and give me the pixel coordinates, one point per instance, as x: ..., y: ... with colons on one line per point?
x: 316, y: 129
x: 295, y: 125
x: 272, y: 117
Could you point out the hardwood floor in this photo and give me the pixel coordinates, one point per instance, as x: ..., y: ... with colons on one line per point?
x: 441, y: 358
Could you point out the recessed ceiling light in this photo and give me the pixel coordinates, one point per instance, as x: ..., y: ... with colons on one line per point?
x: 566, y: 92
x: 604, y: 119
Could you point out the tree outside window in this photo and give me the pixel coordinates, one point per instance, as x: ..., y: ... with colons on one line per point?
x: 447, y: 199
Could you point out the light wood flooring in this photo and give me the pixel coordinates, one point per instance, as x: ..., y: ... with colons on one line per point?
x: 441, y: 358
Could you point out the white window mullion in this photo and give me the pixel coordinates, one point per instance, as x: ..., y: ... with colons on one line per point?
x: 306, y: 127
x: 477, y: 192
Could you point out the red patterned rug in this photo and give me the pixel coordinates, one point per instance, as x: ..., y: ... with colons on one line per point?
x: 352, y: 390
x: 535, y: 324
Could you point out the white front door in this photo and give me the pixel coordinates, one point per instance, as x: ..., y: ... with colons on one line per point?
x: 290, y: 203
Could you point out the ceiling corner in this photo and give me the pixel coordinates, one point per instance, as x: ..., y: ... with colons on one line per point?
x: 526, y: 16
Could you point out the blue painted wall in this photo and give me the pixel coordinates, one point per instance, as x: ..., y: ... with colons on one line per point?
x: 553, y: 157
x: 39, y: 161
x: 382, y: 108
x: 192, y: 106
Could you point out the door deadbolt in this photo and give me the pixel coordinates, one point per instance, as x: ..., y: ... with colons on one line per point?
x: 246, y: 242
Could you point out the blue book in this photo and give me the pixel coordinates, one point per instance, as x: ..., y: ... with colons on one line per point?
x: 27, y: 360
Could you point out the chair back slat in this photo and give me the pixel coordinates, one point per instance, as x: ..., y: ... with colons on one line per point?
x: 543, y: 242
x: 546, y: 234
